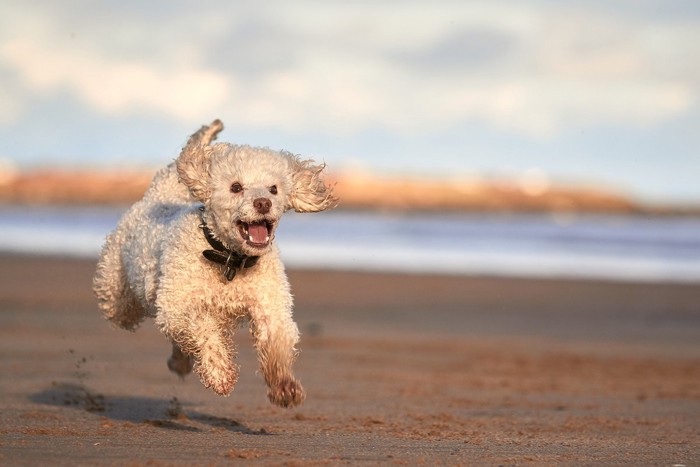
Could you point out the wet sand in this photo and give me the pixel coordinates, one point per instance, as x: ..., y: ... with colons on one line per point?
x: 398, y: 370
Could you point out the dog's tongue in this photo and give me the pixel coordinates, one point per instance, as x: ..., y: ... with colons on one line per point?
x: 257, y: 232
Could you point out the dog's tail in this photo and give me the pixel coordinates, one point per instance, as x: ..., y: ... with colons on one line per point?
x: 194, y: 159
x: 204, y: 136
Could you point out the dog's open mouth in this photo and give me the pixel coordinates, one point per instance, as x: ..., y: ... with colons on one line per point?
x: 257, y: 234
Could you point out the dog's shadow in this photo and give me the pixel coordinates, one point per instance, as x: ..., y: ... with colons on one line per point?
x: 161, y: 413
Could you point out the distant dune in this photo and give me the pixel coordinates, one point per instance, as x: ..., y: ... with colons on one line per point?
x: 369, y: 191
x: 359, y: 190
x: 74, y: 187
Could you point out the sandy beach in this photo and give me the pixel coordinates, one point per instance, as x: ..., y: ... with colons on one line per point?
x: 399, y: 369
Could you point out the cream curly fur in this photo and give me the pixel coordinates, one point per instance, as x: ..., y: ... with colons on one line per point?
x: 152, y: 265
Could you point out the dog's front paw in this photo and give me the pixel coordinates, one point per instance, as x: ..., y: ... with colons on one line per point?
x: 219, y: 381
x: 287, y: 393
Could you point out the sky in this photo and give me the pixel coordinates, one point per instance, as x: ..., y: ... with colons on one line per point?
x: 593, y: 92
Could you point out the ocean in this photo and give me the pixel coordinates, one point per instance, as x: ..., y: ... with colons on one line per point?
x: 617, y: 248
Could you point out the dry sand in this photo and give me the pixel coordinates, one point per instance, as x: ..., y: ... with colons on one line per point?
x: 398, y: 370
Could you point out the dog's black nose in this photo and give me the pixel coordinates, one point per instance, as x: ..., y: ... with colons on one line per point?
x: 262, y: 205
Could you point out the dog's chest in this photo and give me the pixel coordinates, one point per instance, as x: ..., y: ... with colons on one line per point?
x: 233, y: 297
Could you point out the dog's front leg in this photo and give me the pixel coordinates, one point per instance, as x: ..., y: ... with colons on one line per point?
x: 197, y: 334
x: 276, y: 336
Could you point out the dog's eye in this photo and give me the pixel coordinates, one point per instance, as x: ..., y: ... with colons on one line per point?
x: 236, y: 188
x: 273, y: 189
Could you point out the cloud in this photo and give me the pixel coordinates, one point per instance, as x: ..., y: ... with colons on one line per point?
x: 528, y: 68
x: 535, y: 69
x: 115, y: 86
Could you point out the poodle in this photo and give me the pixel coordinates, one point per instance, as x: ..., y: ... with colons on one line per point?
x: 197, y: 254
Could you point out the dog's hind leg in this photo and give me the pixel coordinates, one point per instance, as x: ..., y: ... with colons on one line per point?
x: 180, y: 362
x: 114, y: 296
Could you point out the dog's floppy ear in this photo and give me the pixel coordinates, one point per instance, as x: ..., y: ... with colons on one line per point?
x: 309, y: 192
x: 193, y: 163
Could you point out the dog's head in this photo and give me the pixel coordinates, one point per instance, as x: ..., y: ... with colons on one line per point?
x: 245, y: 190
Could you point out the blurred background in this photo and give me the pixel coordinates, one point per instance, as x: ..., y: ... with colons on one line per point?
x: 523, y: 137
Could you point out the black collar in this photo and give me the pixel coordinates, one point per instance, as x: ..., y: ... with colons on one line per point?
x: 232, y: 261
